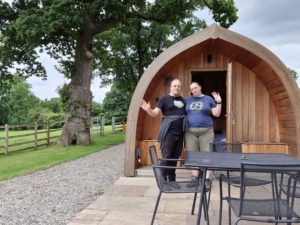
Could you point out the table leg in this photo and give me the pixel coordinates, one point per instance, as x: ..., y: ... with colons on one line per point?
x: 203, y: 200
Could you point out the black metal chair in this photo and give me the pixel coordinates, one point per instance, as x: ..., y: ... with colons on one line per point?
x: 231, y: 178
x: 264, y: 202
x: 172, y: 186
x: 290, y: 183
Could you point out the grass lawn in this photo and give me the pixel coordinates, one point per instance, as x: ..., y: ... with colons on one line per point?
x: 25, y: 162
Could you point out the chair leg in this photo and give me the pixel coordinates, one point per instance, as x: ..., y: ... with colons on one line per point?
x: 203, y: 203
x: 155, y: 209
x: 193, y: 207
x: 221, y: 201
x: 205, y: 208
x: 229, y: 196
x: 194, y: 202
x: 237, y: 221
x: 210, y: 187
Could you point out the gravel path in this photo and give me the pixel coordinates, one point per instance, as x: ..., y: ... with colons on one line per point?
x: 53, y: 196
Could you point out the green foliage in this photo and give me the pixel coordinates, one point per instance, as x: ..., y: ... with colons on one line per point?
x: 18, y: 103
x: 116, y: 103
x: 96, y: 109
x: 3, y: 112
x: 293, y: 73
x: 64, y: 94
x: 223, y: 11
x: 20, y: 106
x: 53, y: 104
x: 43, y: 116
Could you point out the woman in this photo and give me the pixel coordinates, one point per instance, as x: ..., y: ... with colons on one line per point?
x: 200, y: 132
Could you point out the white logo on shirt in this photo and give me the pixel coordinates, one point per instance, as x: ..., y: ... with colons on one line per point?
x: 178, y: 104
x: 196, y: 106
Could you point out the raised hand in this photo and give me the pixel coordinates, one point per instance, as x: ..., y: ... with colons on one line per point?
x: 216, y: 97
x: 145, y: 105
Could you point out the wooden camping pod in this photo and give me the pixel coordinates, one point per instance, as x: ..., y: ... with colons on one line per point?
x: 261, y: 98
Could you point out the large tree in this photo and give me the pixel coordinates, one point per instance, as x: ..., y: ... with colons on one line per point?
x: 67, y: 31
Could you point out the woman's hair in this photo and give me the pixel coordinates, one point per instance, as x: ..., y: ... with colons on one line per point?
x: 195, y: 82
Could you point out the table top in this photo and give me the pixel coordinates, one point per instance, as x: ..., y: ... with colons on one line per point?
x: 232, y: 161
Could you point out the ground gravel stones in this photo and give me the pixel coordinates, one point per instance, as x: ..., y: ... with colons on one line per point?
x: 53, y: 196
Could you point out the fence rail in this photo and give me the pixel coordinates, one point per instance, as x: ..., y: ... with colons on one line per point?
x: 98, y: 124
x: 12, y: 142
x: 29, y: 140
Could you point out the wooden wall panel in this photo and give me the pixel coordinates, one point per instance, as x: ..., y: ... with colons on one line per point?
x: 258, y: 111
x: 238, y: 103
x: 273, y: 131
x: 265, y: 115
x: 252, y: 106
x: 265, y: 148
x: 246, y: 111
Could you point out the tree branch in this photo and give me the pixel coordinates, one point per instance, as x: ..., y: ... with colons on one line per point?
x: 207, y: 4
x: 104, y: 26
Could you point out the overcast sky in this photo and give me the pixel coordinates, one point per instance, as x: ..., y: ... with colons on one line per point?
x: 272, y: 23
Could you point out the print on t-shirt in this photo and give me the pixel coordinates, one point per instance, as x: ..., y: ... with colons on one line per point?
x: 198, y: 110
x: 179, y: 104
x: 196, y: 106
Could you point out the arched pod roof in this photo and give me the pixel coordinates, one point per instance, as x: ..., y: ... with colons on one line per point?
x: 237, y: 47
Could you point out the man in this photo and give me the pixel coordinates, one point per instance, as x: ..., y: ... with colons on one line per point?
x: 172, y: 126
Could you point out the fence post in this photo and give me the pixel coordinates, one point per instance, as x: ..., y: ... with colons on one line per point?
x: 35, y: 135
x: 102, y: 125
x: 6, y: 139
x: 48, y: 133
x: 113, y: 121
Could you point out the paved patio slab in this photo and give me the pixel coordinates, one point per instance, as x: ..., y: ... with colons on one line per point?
x: 131, y: 200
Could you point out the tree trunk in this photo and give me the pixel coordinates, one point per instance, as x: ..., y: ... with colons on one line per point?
x: 77, y: 127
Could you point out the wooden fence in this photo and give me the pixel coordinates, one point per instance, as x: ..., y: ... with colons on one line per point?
x: 28, y: 139
x: 32, y: 137
x: 98, y: 124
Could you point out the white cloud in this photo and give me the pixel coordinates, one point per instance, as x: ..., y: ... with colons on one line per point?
x: 274, y: 24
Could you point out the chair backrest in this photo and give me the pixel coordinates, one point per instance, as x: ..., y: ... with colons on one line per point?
x: 226, y: 147
x: 265, y: 199
x: 155, y: 162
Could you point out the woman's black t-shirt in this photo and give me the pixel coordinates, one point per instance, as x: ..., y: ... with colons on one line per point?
x: 171, y: 106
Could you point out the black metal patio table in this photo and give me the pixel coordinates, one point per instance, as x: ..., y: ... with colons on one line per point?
x: 230, y: 162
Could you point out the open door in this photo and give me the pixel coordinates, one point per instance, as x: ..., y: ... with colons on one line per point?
x: 211, y: 80
x: 229, y: 111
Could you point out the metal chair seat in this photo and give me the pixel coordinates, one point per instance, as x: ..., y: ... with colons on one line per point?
x: 265, y: 202
x: 249, y: 181
x: 261, y: 207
